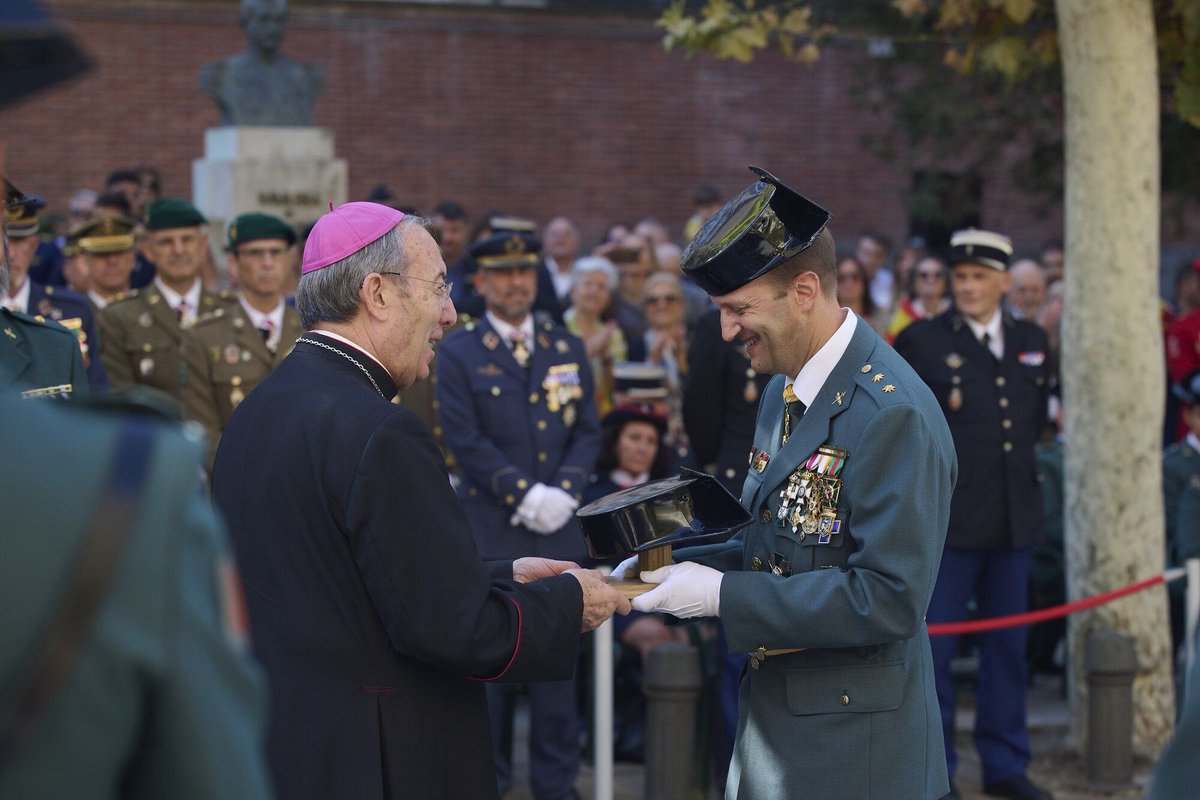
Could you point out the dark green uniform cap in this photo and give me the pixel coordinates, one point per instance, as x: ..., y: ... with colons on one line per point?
x: 248, y: 227
x: 172, y: 212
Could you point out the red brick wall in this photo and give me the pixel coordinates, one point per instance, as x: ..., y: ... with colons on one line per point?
x: 531, y: 113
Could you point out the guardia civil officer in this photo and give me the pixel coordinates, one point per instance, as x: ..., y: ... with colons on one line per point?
x: 143, y: 331
x: 991, y: 376
x: 231, y: 348
x: 124, y: 671
x: 56, y: 303
x: 517, y: 409
x: 851, y: 472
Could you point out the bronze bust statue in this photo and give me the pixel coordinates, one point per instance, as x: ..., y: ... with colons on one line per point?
x: 260, y: 86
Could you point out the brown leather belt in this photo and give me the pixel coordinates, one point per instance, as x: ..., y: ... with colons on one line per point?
x: 757, y: 657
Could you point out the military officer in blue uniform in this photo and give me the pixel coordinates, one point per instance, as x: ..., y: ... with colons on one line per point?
x: 992, y: 377
x: 516, y: 403
x: 39, y: 300
x: 851, y: 472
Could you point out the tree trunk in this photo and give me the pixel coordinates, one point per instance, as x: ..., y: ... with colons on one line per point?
x: 1112, y: 353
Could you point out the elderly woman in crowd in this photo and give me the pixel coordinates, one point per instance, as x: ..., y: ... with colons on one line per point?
x: 665, y: 342
x: 927, y: 295
x: 593, y: 281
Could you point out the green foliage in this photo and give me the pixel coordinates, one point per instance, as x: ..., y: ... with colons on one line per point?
x: 968, y: 77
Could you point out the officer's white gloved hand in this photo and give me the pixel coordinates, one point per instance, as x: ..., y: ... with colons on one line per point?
x: 626, y: 569
x: 685, y: 590
x: 529, y: 511
x: 557, y: 509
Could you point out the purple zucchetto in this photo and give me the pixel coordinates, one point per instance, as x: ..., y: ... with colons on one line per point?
x: 346, y: 230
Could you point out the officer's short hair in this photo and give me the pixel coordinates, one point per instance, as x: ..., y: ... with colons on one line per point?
x: 820, y: 257
x: 331, y: 294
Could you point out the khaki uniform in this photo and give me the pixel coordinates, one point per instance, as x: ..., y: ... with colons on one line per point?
x: 224, y: 357
x: 142, y: 339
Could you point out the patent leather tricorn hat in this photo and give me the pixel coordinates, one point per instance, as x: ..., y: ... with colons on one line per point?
x: 752, y: 234
x: 690, y: 508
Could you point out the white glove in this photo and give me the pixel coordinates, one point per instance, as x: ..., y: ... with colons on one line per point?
x: 557, y: 509
x: 626, y: 569
x: 685, y: 590
x: 527, y: 512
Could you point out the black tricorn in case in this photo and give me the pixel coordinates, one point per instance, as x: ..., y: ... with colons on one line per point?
x: 690, y: 508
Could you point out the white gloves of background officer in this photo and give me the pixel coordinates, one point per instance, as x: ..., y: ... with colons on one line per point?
x: 684, y: 590
x: 544, y: 509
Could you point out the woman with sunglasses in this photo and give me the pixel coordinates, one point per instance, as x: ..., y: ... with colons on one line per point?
x: 927, y: 296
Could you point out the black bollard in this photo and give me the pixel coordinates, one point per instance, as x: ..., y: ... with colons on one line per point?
x: 671, y: 681
x: 1110, y: 661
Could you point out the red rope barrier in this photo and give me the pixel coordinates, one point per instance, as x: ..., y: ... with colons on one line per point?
x: 1043, y: 614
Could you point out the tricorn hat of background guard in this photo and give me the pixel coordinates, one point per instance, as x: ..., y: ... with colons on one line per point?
x: 650, y: 519
x: 752, y: 234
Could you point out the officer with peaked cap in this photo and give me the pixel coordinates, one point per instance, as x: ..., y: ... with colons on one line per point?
x: 372, y: 611
x: 143, y: 330
x: 849, y: 485
x: 992, y: 376
x: 517, y: 407
x: 230, y: 349
x: 39, y: 300
x: 107, y: 255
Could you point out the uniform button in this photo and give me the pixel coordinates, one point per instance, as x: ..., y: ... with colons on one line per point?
x: 845, y: 699
x: 542, y: 456
x: 495, y: 391
x: 522, y: 483
x: 566, y: 484
x: 147, y: 347
x: 541, y: 424
x: 509, y: 499
x: 1008, y: 447
x: 766, y: 514
x: 437, y: 430
x: 731, y: 473
x: 436, y: 404
x: 1000, y: 380
x: 1004, y: 402
x: 1006, y: 424
x: 472, y: 491
x: 756, y: 564
x: 533, y: 398
x: 956, y: 379
x: 236, y: 380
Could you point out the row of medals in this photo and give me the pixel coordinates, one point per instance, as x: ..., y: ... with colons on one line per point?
x: 809, y: 502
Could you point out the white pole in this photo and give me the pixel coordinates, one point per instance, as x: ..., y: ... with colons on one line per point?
x: 602, y: 709
x: 1192, y: 604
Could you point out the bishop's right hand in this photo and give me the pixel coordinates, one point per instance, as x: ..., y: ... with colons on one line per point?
x: 600, y: 601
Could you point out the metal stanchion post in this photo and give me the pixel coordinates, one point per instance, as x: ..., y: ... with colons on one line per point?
x: 602, y: 710
x: 671, y: 680
x: 1110, y: 660
x: 1192, y: 603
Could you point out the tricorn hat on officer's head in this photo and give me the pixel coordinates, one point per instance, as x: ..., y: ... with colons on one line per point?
x: 105, y: 235
x: 975, y: 246
x: 507, y: 247
x: 21, y: 211
x: 686, y: 509
x: 752, y: 234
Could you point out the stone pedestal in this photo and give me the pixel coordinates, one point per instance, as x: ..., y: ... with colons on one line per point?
x: 290, y: 172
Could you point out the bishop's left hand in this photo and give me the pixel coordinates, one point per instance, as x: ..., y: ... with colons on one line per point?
x: 684, y: 590
x: 527, y: 570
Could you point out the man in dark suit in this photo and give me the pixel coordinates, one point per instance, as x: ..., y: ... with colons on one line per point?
x: 372, y: 612
x: 517, y: 406
x: 849, y: 486
x: 991, y: 375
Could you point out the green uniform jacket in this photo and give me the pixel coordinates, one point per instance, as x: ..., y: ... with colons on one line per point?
x: 224, y: 358
x: 1180, y: 464
x: 39, y: 357
x: 141, y: 339
x: 161, y: 700
x: 854, y: 716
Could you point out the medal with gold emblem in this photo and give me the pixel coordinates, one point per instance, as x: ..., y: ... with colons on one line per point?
x: 814, y: 509
x: 563, y: 387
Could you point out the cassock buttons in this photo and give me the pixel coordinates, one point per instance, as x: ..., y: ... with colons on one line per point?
x: 1007, y: 424
x: 1000, y: 380
x: 1004, y: 402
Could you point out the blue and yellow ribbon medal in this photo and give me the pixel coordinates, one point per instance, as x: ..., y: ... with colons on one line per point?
x: 810, y: 497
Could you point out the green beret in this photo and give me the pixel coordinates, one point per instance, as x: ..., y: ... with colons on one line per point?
x: 172, y: 212
x: 248, y: 227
